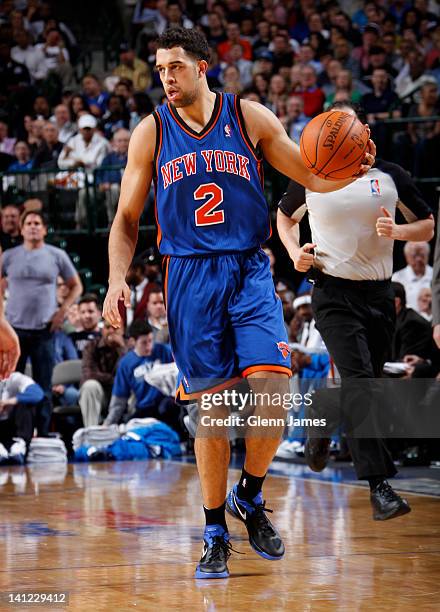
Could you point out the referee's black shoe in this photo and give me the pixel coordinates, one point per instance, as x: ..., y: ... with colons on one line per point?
x: 317, y: 453
x: 386, y: 503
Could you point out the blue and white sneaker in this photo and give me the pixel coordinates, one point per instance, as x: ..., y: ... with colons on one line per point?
x: 4, y: 455
x: 17, y: 452
x: 216, y: 552
x: 263, y: 537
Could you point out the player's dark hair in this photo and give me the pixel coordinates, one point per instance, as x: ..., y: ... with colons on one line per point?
x: 139, y: 328
x: 192, y: 41
x: 399, y: 292
x: 87, y: 298
x: 360, y: 113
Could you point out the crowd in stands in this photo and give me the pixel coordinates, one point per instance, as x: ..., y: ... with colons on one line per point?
x: 297, y: 58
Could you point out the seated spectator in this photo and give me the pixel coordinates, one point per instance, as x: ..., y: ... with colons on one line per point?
x: 424, y: 303
x: 78, y: 106
x: 140, y: 107
x: 140, y: 286
x: 116, y: 116
x: 235, y: 58
x: 231, y: 80
x: 14, y: 77
x: 361, y: 54
x: 23, y: 161
x: 94, y: 96
x: 89, y: 312
x: 32, y: 57
x: 109, y: 181
x: 344, y: 83
x: 215, y: 31
x: 133, y: 68
x: 41, y: 108
x: 413, y: 333
x: 311, y: 94
x: 57, y: 59
x: 382, y: 100
x: 283, y: 54
x: 19, y: 396
x: 295, y: 120
x: 87, y: 149
x: 327, y: 78
x: 306, y: 57
x: 233, y: 36
x: 6, y: 144
x: 412, y: 76
x: 157, y: 316
x: 34, y: 128
x: 61, y: 120
x: 48, y: 152
x: 342, y: 52
x: 175, y: 17
x: 99, y: 362
x: 64, y: 350
x: 377, y: 59
x: 10, y: 234
x: 124, y: 88
x: 417, y: 274
x: 130, y: 379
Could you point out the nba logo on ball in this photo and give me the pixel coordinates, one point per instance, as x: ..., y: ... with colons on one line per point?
x: 228, y: 130
x: 375, y: 187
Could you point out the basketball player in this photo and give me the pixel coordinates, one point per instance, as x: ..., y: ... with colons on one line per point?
x: 204, y: 151
x: 353, y: 233
x: 9, y: 345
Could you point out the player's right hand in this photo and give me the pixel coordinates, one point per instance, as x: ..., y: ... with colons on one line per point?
x: 303, y: 258
x: 117, y: 292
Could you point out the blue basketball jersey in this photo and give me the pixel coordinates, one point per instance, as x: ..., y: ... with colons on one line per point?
x: 209, y: 185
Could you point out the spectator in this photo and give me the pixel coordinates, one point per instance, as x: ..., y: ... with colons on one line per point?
x: 65, y: 395
x: 95, y: 97
x: 99, y: 362
x: 424, y: 303
x: 282, y: 52
x: 361, y: 54
x: 116, y: 116
x: 295, y: 120
x: 89, y: 312
x: 215, y: 32
x: 34, y: 128
x: 78, y: 105
x: 61, y: 119
x: 417, y: 274
x: 263, y: 39
x: 14, y: 77
x: 413, y: 334
x: 176, y: 18
x: 32, y: 270
x: 231, y: 80
x: 87, y: 149
x: 19, y: 396
x: 130, y: 379
x: 264, y: 63
x: 382, y: 100
x: 412, y: 76
x: 124, y: 88
x: 23, y: 158
x: 235, y: 58
x: 140, y: 107
x: 133, y: 68
x: 6, y: 143
x: 29, y: 55
x: 393, y: 59
x: 57, y: 59
x: 41, y: 108
x: 157, y: 316
x: 140, y: 286
x: 342, y: 52
x: 344, y: 83
x: 10, y: 235
x: 109, y: 181
x: 311, y: 94
x: 48, y: 152
x: 306, y: 57
x: 327, y: 78
x: 377, y: 59
x: 233, y: 37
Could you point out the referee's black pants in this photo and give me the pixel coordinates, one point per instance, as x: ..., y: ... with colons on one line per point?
x: 356, y: 321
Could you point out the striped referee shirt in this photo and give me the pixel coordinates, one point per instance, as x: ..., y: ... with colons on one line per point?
x: 343, y: 222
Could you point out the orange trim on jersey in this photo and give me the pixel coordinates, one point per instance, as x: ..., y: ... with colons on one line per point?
x: 159, y: 149
x: 159, y: 230
x: 165, y: 282
x: 160, y: 145
x: 180, y: 123
x: 182, y: 394
x: 242, y: 132
x: 266, y: 368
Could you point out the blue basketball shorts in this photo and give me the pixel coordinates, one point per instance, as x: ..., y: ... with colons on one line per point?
x: 225, y: 320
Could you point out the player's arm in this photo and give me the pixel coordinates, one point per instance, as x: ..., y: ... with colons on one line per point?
x: 266, y: 130
x: 135, y: 186
x: 9, y: 345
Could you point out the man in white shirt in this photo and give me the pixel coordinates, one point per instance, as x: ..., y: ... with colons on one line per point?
x: 56, y: 56
x: 87, y: 149
x: 417, y: 274
x: 61, y: 118
x: 29, y: 55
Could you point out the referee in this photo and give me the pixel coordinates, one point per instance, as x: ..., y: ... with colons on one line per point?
x: 353, y: 233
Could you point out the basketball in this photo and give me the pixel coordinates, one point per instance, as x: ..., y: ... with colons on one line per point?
x: 333, y: 145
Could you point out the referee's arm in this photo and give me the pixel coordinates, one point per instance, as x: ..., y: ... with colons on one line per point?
x: 291, y: 210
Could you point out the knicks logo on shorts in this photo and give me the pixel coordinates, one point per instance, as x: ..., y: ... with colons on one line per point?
x: 375, y: 187
x: 284, y: 349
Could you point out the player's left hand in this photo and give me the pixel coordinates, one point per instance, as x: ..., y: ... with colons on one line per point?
x: 9, y: 349
x: 386, y: 227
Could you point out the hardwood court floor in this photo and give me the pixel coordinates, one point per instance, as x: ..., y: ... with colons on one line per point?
x: 126, y: 536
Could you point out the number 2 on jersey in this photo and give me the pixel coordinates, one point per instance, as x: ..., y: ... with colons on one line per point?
x: 206, y: 213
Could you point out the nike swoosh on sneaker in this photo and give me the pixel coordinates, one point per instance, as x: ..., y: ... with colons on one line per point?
x: 243, y: 515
